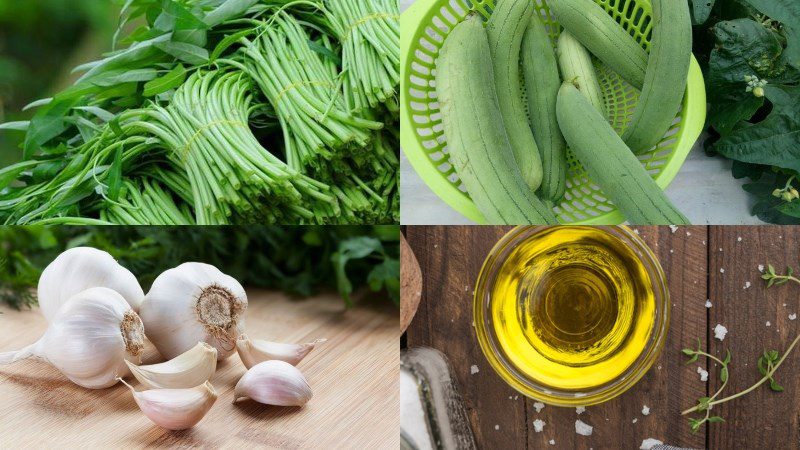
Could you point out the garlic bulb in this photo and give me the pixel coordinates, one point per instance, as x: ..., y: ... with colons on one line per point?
x: 89, y: 339
x: 193, y: 303
x: 274, y: 383
x: 81, y: 268
x: 190, y: 369
x: 175, y: 409
x: 254, y: 351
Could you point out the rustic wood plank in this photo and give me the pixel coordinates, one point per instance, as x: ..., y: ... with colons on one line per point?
x: 354, y: 377
x: 761, y: 419
x: 451, y: 258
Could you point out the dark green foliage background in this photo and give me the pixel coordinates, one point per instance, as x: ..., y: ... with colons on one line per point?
x: 738, y: 38
x: 298, y: 260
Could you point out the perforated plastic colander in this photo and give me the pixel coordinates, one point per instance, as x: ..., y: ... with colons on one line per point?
x: 425, y: 26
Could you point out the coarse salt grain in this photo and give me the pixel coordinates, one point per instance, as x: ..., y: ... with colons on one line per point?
x: 747, y: 284
x: 583, y: 429
x: 538, y: 406
x: 720, y: 331
x: 688, y: 233
x: 708, y: 303
x: 761, y: 268
x: 792, y: 316
x: 739, y: 239
x: 674, y: 228
x: 721, y: 270
x: 473, y: 369
x: 634, y: 420
x: 646, y: 411
x: 538, y: 425
x: 649, y: 443
x: 552, y: 442
x: 768, y: 324
x: 703, y: 373
x: 497, y: 427
x: 580, y: 409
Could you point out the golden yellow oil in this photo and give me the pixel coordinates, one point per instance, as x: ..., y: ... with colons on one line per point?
x: 572, y: 307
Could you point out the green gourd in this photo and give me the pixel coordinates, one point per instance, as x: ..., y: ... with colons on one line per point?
x: 665, y: 80
x: 611, y: 164
x: 505, y: 28
x: 603, y: 37
x: 576, y: 67
x: 476, y: 139
x: 542, y: 81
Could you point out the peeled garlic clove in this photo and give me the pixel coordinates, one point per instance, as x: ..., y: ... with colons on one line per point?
x: 81, y: 268
x: 89, y: 339
x: 175, y: 409
x: 190, y: 369
x: 274, y: 383
x: 193, y: 303
x: 254, y: 351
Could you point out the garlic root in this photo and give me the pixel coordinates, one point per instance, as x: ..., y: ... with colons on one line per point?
x: 193, y: 303
x: 175, y: 409
x: 187, y: 370
x: 274, y: 383
x: 254, y: 351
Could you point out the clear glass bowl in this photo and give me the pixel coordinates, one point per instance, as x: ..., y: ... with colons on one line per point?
x: 528, y: 386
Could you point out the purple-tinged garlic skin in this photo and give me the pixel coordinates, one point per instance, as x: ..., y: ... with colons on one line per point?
x: 254, y: 351
x: 274, y: 383
x: 176, y: 409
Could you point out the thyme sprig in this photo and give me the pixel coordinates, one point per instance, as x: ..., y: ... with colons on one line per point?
x: 774, y: 279
x: 768, y: 364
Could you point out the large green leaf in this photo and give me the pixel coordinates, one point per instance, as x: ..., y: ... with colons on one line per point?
x: 701, y: 9
x: 744, y: 47
x: 787, y: 12
x: 774, y: 141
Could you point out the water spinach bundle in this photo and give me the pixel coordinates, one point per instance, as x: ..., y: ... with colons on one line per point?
x: 220, y: 112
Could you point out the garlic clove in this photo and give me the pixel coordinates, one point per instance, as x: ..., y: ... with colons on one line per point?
x: 274, y: 383
x: 254, y: 351
x: 175, y: 409
x: 184, y: 371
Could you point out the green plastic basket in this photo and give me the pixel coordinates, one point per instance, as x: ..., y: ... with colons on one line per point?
x: 426, y: 24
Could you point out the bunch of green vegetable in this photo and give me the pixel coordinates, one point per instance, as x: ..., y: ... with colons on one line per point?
x: 502, y: 158
x: 299, y: 260
x: 750, y: 51
x: 219, y: 112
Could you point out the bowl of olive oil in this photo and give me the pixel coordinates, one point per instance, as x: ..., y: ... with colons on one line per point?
x: 571, y: 315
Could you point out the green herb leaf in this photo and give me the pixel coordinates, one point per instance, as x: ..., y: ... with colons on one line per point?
x: 715, y: 419
x: 115, y: 175
x: 229, y: 40
x: 171, y: 80
x: 15, y: 126
x: 187, y: 53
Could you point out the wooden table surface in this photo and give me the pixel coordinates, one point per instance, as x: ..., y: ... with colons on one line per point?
x: 354, y: 377
x: 700, y: 263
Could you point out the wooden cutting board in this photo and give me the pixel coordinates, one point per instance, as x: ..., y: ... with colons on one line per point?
x: 354, y: 377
